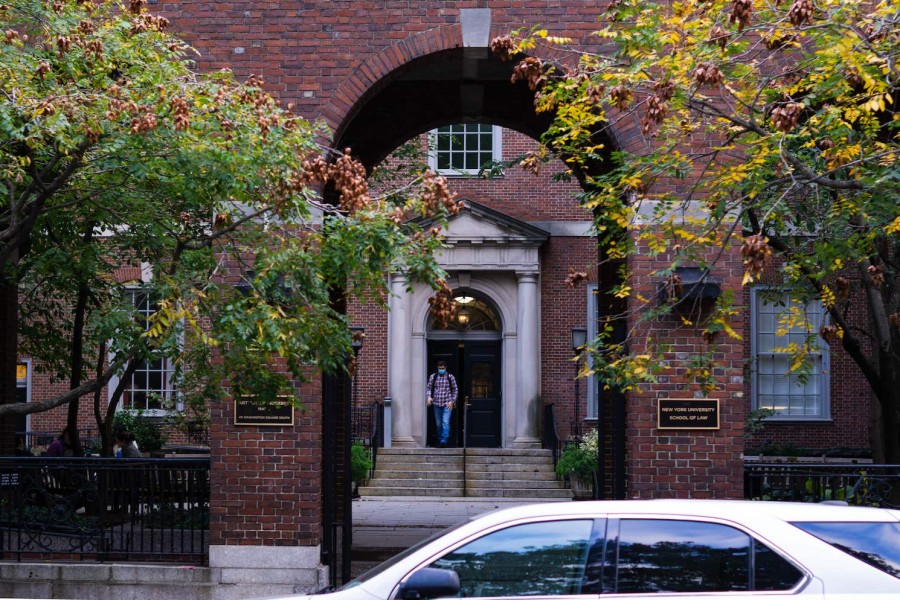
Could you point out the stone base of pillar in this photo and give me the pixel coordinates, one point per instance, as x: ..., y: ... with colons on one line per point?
x: 404, y: 442
x: 527, y: 443
x: 264, y: 571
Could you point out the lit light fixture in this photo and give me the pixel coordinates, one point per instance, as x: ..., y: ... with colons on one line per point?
x: 463, y: 316
x: 357, y: 335
x: 463, y: 299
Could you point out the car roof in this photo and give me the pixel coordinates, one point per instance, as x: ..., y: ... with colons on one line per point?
x: 739, y: 510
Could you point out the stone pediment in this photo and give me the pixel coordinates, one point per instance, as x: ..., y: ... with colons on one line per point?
x: 479, y: 238
x: 478, y: 224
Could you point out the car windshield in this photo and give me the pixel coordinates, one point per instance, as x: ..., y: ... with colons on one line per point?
x: 395, y: 559
x: 876, y: 544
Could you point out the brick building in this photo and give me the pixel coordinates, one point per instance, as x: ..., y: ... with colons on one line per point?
x: 380, y: 74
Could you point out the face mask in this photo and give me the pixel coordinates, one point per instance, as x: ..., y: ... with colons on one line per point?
x: 441, y: 371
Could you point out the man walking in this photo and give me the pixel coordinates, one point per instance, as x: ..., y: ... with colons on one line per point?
x: 441, y: 393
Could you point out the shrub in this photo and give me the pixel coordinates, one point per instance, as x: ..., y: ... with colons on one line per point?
x: 579, y: 459
x: 360, y: 462
x: 147, y: 431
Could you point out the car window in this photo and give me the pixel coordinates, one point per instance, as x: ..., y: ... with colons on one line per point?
x: 658, y: 555
x: 534, y: 559
x: 877, y: 544
x: 771, y: 571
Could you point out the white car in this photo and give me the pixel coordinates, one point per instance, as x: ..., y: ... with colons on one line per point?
x: 650, y: 549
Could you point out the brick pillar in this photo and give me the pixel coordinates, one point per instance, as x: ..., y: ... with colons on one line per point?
x: 265, y: 522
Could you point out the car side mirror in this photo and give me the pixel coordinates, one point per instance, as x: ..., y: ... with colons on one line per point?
x: 430, y: 583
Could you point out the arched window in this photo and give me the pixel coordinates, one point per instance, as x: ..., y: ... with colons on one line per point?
x: 472, y: 313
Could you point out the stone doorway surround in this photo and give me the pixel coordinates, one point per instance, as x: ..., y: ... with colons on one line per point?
x: 496, y: 255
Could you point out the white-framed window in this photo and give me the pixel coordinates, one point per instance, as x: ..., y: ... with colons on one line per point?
x: 593, y: 324
x: 778, y: 323
x: 464, y: 149
x: 150, y: 388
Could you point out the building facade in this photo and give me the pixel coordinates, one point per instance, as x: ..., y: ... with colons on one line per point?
x: 380, y: 74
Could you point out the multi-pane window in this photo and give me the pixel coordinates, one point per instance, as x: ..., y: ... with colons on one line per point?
x: 464, y: 149
x: 150, y: 387
x: 783, y: 328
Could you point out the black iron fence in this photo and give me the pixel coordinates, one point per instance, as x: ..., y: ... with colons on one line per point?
x: 104, y: 509
x: 864, y: 484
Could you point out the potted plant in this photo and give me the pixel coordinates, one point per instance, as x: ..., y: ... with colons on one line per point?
x: 360, y: 464
x: 578, y: 463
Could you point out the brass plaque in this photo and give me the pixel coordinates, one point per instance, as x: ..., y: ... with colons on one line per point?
x: 279, y: 413
x: 688, y: 414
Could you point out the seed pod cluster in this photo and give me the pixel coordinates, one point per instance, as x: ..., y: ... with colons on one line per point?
x: 843, y: 287
x: 503, y: 47
x: 147, y: 22
x: 179, y: 108
x: 756, y: 254
x: 442, y: 307
x: 801, y: 13
x: 830, y: 333
x: 349, y: 177
x: 575, y: 278
x: 708, y: 74
x: 436, y: 194
x: 620, y: 96
x: 595, y: 93
x: 674, y: 287
x: 876, y: 274
x: 718, y: 37
x: 347, y: 174
x: 144, y: 123
x: 530, y: 69
x: 741, y: 13
x: 657, y: 109
x: 786, y: 117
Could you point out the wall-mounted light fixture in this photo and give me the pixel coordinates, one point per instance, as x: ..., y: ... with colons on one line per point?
x: 689, y: 289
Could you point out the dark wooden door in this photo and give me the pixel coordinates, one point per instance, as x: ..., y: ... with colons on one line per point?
x: 476, y: 366
x: 482, y: 390
x: 449, y: 352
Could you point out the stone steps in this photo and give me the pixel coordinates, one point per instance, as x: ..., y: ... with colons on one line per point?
x: 489, y: 473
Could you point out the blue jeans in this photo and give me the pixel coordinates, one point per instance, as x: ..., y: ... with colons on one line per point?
x: 442, y: 420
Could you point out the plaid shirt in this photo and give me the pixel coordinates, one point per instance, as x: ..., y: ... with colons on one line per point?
x: 444, y: 389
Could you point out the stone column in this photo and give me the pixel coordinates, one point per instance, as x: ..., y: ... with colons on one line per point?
x: 399, y: 384
x: 528, y: 367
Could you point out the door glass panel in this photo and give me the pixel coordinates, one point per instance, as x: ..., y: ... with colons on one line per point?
x: 682, y: 556
x: 536, y: 559
x: 482, y: 380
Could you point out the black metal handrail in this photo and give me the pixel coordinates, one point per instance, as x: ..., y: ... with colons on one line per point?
x: 550, y: 439
x: 104, y: 509
x: 865, y: 484
x: 368, y: 428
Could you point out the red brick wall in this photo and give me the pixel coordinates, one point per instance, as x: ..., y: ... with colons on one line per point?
x: 266, y: 481
x: 689, y: 463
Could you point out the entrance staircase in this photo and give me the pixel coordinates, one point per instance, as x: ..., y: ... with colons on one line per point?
x: 489, y: 473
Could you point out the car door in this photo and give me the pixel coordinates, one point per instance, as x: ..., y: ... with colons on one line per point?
x: 693, y: 558
x: 536, y: 559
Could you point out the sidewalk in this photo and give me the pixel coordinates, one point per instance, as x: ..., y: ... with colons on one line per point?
x: 386, y: 525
